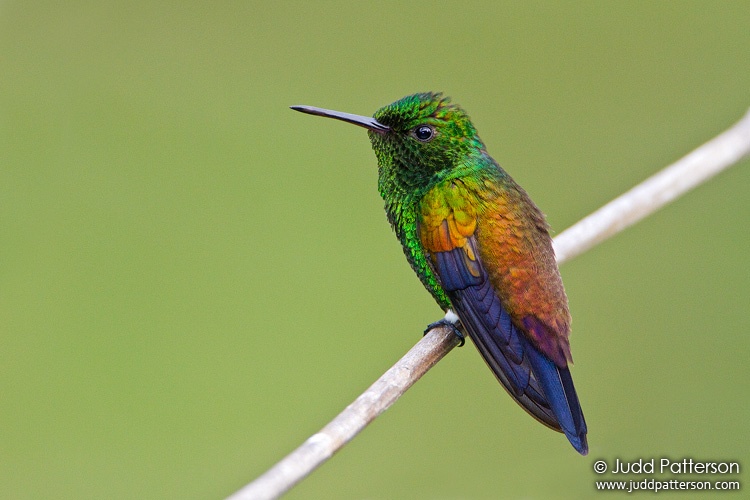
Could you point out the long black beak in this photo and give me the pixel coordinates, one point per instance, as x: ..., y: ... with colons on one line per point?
x: 362, y: 121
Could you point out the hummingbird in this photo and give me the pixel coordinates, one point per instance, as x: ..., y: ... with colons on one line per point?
x: 480, y: 246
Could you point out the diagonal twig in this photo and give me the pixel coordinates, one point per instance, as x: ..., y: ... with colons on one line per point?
x: 663, y: 187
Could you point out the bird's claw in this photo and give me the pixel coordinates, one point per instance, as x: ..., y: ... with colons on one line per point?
x: 453, y: 326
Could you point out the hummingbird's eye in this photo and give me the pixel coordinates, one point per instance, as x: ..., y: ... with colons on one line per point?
x: 424, y: 133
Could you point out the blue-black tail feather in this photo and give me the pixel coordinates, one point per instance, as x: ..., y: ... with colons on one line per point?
x: 557, y: 385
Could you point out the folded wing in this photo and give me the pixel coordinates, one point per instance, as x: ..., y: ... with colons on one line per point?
x: 542, y: 388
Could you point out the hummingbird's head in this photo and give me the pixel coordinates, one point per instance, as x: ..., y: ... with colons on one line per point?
x: 418, y: 139
x: 426, y: 135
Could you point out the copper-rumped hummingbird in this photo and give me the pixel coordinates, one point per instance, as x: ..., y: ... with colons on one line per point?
x: 480, y: 246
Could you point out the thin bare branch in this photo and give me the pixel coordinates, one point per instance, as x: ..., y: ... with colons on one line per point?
x: 655, y: 192
x: 661, y: 188
x: 375, y: 400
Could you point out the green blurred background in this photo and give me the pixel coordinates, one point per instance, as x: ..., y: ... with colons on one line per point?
x: 194, y: 279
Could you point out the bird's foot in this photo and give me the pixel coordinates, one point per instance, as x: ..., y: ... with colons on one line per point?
x: 451, y: 321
